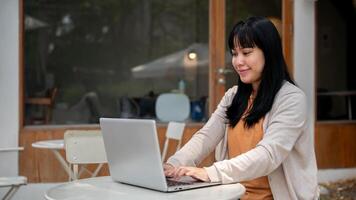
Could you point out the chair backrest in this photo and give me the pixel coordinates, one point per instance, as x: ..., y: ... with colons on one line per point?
x: 172, y: 107
x: 84, y: 146
x: 174, y: 131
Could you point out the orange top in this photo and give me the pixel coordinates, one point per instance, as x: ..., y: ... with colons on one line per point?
x: 241, y: 140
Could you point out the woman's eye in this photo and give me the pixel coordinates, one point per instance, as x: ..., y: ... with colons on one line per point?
x: 247, y: 52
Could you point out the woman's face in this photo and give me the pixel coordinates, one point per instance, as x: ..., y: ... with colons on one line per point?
x: 249, y: 64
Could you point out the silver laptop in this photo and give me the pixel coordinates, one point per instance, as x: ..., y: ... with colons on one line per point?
x: 134, y: 158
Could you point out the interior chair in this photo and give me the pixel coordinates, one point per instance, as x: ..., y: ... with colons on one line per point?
x: 174, y: 131
x: 13, y: 182
x: 172, y: 107
x: 84, y: 147
x: 47, y: 104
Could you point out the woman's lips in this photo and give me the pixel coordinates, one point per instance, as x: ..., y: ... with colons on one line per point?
x: 243, y: 72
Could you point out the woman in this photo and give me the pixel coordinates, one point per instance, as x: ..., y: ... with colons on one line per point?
x: 260, y: 124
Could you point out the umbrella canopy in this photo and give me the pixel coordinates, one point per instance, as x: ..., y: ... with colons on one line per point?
x: 32, y: 23
x: 194, y: 58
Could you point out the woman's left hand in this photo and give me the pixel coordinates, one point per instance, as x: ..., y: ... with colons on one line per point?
x: 195, y: 172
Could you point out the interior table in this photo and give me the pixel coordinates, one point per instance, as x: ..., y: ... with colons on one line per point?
x: 55, y: 146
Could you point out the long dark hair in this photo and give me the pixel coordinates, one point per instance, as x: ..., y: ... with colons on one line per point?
x: 258, y: 32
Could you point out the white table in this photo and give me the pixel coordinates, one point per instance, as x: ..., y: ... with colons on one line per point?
x: 55, y: 146
x: 105, y: 188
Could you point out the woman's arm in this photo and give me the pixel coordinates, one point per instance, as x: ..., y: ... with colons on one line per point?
x: 286, y: 123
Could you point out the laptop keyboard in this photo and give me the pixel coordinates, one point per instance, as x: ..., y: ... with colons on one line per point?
x: 176, y: 183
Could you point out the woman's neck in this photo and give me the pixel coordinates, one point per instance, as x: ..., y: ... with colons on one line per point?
x: 255, y: 88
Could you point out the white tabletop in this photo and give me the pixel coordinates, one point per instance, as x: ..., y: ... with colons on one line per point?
x: 106, y: 188
x: 49, y: 144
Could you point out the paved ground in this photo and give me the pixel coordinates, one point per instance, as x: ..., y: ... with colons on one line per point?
x: 343, y: 189
x: 32, y: 191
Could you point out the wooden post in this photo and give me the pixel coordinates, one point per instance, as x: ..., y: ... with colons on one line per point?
x: 216, y: 52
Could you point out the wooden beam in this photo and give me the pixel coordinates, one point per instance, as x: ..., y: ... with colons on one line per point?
x: 216, y: 51
x: 287, y: 33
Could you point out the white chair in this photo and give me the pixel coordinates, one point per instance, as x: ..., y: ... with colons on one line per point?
x: 13, y: 182
x: 172, y: 107
x: 174, y: 131
x: 84, y: 147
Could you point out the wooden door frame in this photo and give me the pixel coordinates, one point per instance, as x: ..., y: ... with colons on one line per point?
x: 287, y: 33
x: 216, y: 51
x: 217, y: 41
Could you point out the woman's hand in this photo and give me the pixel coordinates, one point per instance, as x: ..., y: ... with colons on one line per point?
x: 195, y: 172
x: 169, y: 170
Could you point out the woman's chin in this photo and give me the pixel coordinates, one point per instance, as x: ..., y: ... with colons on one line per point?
x: 245, y: 80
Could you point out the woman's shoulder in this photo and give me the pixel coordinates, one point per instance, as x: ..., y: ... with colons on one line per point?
x: 287, y: 91
x: 291, y: 99
x: 232, y: 90
x: 288, y: 95
x: 229, y: 96
x: 290, y: 90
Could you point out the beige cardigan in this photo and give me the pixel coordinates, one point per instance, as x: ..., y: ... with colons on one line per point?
x: 285, y: 154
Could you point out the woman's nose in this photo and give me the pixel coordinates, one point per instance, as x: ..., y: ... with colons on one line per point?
x: 238, y: 61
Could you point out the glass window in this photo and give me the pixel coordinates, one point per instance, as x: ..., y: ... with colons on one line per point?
x: 90, y: 58
x: 336, y: 83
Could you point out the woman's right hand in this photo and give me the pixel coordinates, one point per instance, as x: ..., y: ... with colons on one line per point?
x: 169, y: 170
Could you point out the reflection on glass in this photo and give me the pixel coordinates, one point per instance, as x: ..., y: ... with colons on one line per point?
x: 112, y: 58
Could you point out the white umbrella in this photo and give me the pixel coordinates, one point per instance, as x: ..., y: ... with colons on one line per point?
x: 195, y: 58
x: 33, y: 23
